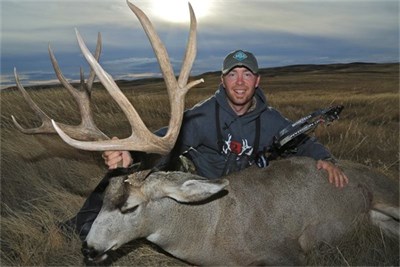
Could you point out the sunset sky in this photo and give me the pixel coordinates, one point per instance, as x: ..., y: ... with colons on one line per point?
x: 278, y: 32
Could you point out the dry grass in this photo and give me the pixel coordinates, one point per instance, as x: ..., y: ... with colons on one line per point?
x: 44, y: 181
x: 366, y: 246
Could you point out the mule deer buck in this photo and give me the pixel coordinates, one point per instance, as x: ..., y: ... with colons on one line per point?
x: 268, y: 216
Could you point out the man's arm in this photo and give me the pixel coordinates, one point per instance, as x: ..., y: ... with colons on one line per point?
x: 335, y: 175
x: 325, y: 161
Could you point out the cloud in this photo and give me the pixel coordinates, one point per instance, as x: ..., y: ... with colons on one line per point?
x: 350, y: 19
x: 278, y: 32
x: 42, y: 21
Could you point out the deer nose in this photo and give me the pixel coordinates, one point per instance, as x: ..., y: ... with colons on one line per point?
x: 92, y: 254
x: 85, y: 249
x: 88, y: 252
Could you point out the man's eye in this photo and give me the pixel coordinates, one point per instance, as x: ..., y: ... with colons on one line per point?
x: 248, y: 75
x: 232, y: 75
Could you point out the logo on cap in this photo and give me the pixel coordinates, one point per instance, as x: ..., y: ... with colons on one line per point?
x: 240, y: 56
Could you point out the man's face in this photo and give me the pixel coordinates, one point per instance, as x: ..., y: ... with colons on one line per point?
x: 240, y: 84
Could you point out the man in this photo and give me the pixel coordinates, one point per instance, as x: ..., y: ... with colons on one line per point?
x: 225, y: 133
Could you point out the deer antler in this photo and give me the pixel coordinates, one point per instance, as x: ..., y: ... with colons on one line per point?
x: 141, y: 138
x: 87, y: 129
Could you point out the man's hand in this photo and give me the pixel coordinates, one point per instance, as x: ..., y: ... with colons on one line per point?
x: 114, y: 159
x: 335, y: 174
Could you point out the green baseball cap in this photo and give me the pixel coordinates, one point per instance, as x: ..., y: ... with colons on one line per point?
x: 240, y: 58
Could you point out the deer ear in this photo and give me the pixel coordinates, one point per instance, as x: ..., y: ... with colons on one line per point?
x: 195, y: 190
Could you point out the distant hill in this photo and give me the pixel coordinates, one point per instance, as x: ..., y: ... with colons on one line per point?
x: 355, y: 67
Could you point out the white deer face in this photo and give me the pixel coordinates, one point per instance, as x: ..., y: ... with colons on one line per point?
x: 126, y: 216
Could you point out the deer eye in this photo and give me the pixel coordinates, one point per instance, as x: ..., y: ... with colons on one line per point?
x: 126, y: 210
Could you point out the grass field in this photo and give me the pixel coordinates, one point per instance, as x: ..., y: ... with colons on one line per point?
x: 44, y: 181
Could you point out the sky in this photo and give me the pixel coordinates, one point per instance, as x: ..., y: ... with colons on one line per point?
x: 278, y: 32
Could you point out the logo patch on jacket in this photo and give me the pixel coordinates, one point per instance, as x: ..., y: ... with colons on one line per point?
x: 235, y: 147
x: 238, y: 148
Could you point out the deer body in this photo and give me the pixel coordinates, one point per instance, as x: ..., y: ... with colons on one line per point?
x: 265, y: 216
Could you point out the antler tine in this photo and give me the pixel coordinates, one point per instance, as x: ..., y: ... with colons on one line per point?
x: 162, y: 54
x: 82, y: 98
x: 158, y: 47
x: 190, y: 54
x: 92, y: 74
x: 176, y: 89
x: 46, y: 126
x: 138, y: 126
x: 183, y: 85
x: 87, y: 129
